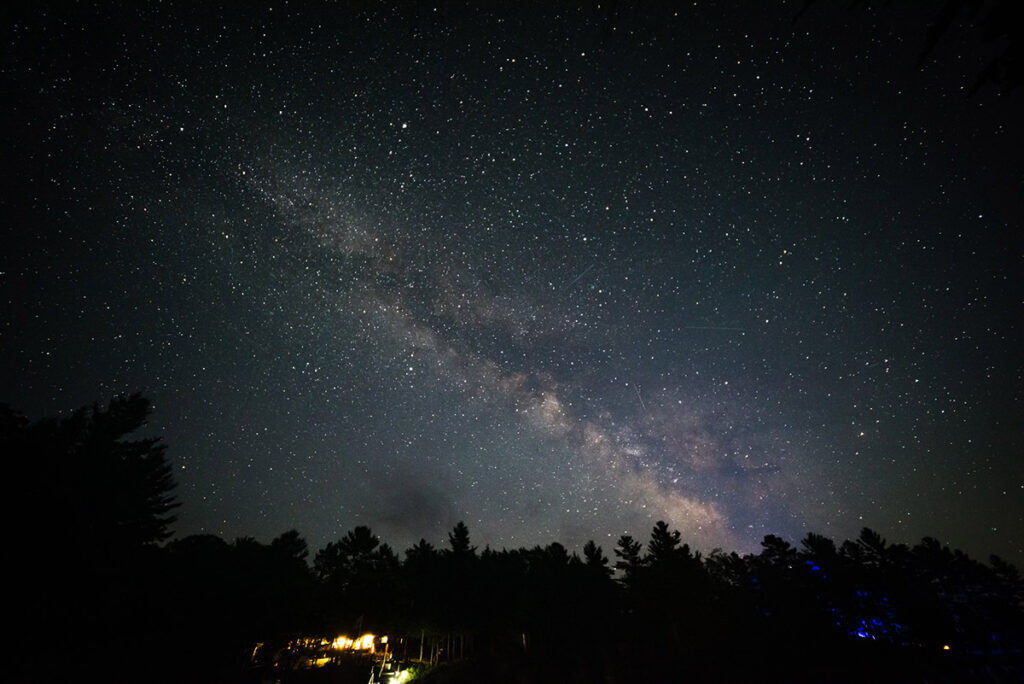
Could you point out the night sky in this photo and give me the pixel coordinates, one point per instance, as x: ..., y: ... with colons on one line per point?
x: 557, y: 271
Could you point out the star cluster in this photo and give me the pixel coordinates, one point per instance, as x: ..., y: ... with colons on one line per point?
x: 558, y: 272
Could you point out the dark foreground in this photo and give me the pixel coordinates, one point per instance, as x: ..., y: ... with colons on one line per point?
x: 857, y: 664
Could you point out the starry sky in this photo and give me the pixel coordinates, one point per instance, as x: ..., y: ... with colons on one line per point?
x: 557, y: 270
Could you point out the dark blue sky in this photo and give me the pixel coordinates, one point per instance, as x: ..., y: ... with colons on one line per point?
x: 557, y: 272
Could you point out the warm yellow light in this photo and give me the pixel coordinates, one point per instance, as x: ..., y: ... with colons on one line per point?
x: 363, y: 643
x: 945, y: 647
x: 383, y: 640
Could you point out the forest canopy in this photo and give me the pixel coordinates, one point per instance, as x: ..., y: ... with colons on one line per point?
x: 104, y: 567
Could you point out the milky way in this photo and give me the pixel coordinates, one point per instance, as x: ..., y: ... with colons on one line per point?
x: 559, y: 273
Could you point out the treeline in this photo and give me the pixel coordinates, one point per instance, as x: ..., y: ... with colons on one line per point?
x: 656, y: 606
x: 99, y: 590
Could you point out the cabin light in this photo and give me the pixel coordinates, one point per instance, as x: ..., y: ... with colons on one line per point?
x: 363, y: 643
x: 945, y: 647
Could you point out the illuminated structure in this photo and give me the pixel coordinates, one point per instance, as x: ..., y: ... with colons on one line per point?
x: 366, y: 643
x: 316, y: 652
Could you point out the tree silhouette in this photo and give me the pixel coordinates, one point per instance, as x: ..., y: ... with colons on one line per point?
x: 359, y: 553
x: 461, y: 588
x: 663, y: 544
x: 629, y: 562
x: 595, y: 560
x: 421, y: 575
x: 291, y: 545
x: 95, y: 504
x: 420, y: 553
x: 458, y: 540
x: 819, y: 548
x: 86, y: 480
x: 357, y: 572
